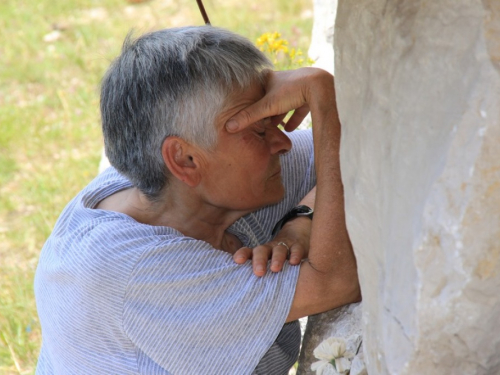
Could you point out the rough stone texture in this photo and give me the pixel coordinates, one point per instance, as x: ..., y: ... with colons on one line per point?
x: 343, y: 322
x: 418, y: 90
x: 358, y: 366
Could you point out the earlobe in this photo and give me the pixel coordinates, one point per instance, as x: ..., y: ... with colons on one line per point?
x: 178, y: 157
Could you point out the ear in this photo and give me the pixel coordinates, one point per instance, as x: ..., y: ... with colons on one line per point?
x: 178, y: 156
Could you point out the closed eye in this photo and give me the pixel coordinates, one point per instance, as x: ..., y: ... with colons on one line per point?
x: 260, y: 126
x: 261, y: 133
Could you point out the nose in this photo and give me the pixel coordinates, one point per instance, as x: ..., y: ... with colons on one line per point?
x: 279, y: 142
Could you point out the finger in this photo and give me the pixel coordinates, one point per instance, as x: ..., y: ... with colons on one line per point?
x: 284, y: 93
x: 297, y: 118
x: 242, y: 255
x: 297, y: 253
x: 279, y: 256
x: 260, y: 257
x: 276, y: 120
x: 250, y: 115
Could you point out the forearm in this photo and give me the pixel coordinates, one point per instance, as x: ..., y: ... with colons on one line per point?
x: 328, y: 278
x: 330, y: 245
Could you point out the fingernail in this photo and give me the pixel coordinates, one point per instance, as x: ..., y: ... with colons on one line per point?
x: 260, y: 268
x: 232, y: 125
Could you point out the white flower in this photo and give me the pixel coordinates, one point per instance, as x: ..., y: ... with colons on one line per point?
x: 333, y: 357
x: 331, y: 348
x: 342, y: 364
x: 324, y: 368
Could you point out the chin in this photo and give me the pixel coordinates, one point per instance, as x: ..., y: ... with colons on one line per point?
x: 277, y: 195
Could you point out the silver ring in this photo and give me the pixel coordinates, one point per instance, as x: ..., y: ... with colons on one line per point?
x: 287, y: 248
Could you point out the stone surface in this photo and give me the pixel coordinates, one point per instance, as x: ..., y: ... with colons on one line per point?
x: 344, y: 322
x: 418, y: 90
x: 358, y: 366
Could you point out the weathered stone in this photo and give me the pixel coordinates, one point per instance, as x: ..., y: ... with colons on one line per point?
x: 358, y: 366
x: 344, y: 322
x: 418, y: 90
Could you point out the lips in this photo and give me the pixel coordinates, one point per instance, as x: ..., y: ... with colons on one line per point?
x: 277, y: 173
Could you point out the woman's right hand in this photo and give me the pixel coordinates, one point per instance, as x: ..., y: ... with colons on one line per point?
x: 297, y: 90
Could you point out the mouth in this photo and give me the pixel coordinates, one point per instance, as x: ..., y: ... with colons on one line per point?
x: 278, y: 173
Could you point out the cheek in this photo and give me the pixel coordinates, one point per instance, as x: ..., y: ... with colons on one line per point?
x: 254, y: 148
x: 252, y: 140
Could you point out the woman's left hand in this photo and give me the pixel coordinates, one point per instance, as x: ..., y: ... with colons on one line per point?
x: 292, y: 242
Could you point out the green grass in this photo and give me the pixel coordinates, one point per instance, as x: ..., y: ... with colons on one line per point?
x: 50, y: 138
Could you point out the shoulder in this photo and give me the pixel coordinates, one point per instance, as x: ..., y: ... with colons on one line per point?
x: 192, y: 298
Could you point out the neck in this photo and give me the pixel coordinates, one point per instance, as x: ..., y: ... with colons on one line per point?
x: 183, y: 210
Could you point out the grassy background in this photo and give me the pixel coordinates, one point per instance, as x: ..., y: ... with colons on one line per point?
x: 52, y: 56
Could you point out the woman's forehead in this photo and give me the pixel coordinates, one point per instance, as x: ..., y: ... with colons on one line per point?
x: 240, y: 99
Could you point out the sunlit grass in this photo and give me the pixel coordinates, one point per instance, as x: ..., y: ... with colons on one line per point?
x: 53, y: 54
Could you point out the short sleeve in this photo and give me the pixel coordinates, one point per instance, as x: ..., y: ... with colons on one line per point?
x: 192, y: 310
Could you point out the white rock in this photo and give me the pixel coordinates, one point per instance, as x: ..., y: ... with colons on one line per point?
x: 358, y: 366
x: 418, y: 90
x: 344, y: 322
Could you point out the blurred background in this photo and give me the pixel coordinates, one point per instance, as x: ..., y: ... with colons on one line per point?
x: 53, y: 54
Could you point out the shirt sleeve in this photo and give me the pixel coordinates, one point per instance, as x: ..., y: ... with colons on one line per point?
x: 192, y: 310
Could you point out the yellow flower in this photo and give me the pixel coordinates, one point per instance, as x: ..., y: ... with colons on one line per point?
x: 280, y: 53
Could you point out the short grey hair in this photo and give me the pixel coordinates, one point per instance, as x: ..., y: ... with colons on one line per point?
x: 172, y: 82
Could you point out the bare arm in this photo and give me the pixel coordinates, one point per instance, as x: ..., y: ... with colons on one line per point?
x: 328, y: 278
x: 295, y: 234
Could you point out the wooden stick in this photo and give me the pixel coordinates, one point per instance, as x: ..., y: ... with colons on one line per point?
x: 203, y: 13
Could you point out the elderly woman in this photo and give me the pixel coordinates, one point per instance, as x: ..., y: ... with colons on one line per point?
x: 138, y: 276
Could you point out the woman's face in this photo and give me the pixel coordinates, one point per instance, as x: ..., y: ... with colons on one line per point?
x: 243, y: 173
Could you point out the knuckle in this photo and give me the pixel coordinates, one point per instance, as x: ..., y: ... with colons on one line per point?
x: 245, y: 116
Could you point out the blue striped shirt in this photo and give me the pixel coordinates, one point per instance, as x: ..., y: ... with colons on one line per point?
x: 115, y: 296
